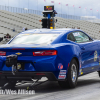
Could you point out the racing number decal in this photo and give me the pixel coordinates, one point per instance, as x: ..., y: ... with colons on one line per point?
x: 95, y: 56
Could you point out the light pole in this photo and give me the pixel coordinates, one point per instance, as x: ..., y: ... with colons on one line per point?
x: 86, y: 11
x: 98, y: 14
x: 19, y: 3
x: 8, y: 5
x: 37, y: 6
x: 92, y: 11
x: 80, y: 10
x: 28, y: 6
x: 61, y: 7
x: 67, y: 9
x: 74, y: 12
x: 8, y: 2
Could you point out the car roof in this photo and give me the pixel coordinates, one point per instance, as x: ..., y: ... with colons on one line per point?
x: 51, y: 31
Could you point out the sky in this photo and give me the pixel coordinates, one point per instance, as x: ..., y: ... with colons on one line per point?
x: 71, y: 7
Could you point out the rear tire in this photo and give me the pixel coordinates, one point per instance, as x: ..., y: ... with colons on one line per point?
x: 72, y: 76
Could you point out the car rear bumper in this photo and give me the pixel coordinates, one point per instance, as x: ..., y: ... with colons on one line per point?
x: 28, y: 75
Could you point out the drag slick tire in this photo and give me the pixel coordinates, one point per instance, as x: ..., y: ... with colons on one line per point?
x: 72, y: 75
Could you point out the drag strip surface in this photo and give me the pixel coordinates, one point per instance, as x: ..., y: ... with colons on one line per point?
x: 88, y: 87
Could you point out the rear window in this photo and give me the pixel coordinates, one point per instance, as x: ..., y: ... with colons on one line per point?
x: 34, y: 38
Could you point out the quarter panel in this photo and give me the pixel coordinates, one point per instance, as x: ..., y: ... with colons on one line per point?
x: 66, y: 52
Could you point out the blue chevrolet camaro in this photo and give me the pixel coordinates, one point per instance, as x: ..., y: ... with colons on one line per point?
x: 59, y: 54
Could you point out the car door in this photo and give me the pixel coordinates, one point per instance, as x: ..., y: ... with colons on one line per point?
x: 89, y: 52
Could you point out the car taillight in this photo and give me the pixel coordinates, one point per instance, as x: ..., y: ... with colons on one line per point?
x: 2, y: 53
x: 45, y: 53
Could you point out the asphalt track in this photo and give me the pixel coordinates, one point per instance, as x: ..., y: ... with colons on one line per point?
x: 88, y: 88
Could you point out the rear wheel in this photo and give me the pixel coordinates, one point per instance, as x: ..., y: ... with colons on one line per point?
x: 72, y: 75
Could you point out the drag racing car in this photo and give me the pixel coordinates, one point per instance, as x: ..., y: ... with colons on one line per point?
x: 59, y: 54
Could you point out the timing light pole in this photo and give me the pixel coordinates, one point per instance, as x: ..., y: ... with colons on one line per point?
x: 48, y: 21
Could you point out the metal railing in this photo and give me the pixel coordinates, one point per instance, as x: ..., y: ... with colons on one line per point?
x: 31, y: 11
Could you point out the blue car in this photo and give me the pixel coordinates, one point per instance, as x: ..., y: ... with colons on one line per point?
x: 59, y: 54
